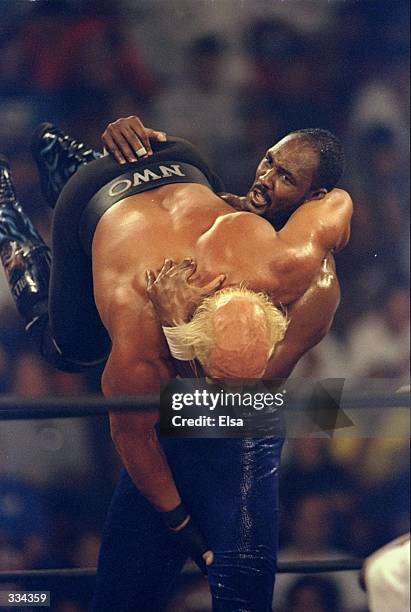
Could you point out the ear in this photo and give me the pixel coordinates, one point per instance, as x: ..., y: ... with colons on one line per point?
x: 318, y: 194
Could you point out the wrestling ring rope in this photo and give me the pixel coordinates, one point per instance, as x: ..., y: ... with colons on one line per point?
x: 292, y: 567
x: 18, y: 408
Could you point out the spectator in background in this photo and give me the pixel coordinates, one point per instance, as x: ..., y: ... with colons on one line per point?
x: 377, y: 140
x: 382, y: 97
x: 379, y: 342
x: 34, y: 66
x: 311, y: 468
x: 290, y: 85
x: 27, y: 447
x: 329, y: 359
x: 364, y: 32
x: 24, y: 525
x: 379, y: 179
x: 311, y: 535
x: 102, y: 66
x: 313, y: 594
x: 203, y: 108
x: 76, y: 64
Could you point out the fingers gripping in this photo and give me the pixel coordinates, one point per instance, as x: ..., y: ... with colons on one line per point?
x: 184, y: 270
x: 213, y: 285
x: 128, y: 140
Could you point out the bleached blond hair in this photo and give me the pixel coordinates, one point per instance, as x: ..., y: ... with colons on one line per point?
x: 199, y: 334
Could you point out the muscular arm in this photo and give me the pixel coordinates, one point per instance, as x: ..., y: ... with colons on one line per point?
x: 322, y: 224
x: 292, y: 256
x: 325, y: 222
x: 310, y: 317
x: 136, y: 366
x: 139, y: 360
x: 175, y: 297
x: 136, y: 441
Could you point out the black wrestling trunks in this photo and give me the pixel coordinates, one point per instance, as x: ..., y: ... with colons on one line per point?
x: 143, y: 178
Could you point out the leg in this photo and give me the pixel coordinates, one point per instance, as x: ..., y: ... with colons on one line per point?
x: 75, y: 330
x: 75, y: 321
x: 243, y: 575
x: 231, y: 489
x: 24, y: 255
x: 26, y: 261
x: 139, y: 560
x: 58, y: 157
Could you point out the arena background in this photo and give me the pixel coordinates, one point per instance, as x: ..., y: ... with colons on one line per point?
x: 233, y: 76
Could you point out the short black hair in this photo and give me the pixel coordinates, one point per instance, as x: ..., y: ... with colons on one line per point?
x: 330, y: 153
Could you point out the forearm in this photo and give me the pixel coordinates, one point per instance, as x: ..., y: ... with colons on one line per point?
x: 286, y: 356
x: 283, y: 361
x: 134, y: 434
x: 147, y: 465
x: 136, y: 440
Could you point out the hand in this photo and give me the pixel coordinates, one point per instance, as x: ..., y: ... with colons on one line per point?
x: 181, y: 524
x: 195, y: 545
x: 175, y: 298
x: 127, y: 139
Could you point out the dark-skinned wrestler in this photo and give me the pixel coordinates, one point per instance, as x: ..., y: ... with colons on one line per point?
x: 140, y: 556
x: 283, y: 182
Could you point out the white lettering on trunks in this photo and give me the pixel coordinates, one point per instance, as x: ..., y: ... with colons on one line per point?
x: 147, y: 176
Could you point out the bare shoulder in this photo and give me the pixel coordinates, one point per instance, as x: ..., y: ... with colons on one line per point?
x: 241, y: 237
x: 339, y: 197
x: 335, y: 203
x: 339, y: 201
x: 139, y: 356
x: 338, y: 218
x: 243, y: 221
x: 242, y: 245
x: 323, y: 221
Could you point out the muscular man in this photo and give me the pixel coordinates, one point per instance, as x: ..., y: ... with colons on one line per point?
x: 127, y: 229
x: 283, y: 182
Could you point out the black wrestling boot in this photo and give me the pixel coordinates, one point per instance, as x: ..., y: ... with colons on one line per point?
x: 23, y: 253
x: 58, y: 157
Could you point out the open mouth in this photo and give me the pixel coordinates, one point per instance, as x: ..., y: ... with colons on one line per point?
x: 259, y: 199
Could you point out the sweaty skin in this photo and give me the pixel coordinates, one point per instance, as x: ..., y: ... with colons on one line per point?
x: 283, y: 181
x: 175, y: 295
x: 189, y: 220
x: 310, y: 318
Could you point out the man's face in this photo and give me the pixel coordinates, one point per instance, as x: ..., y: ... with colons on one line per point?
x: 284, y: 177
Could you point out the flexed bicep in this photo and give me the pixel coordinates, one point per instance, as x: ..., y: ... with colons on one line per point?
x: 310, y: 318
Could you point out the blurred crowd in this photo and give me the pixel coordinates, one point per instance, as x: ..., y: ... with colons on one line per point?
x: 232, y: 76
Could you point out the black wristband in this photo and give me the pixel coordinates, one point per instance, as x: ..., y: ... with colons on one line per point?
x: 174, y: 518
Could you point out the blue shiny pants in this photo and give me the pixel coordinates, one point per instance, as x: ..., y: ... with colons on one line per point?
x: 230, y: 487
